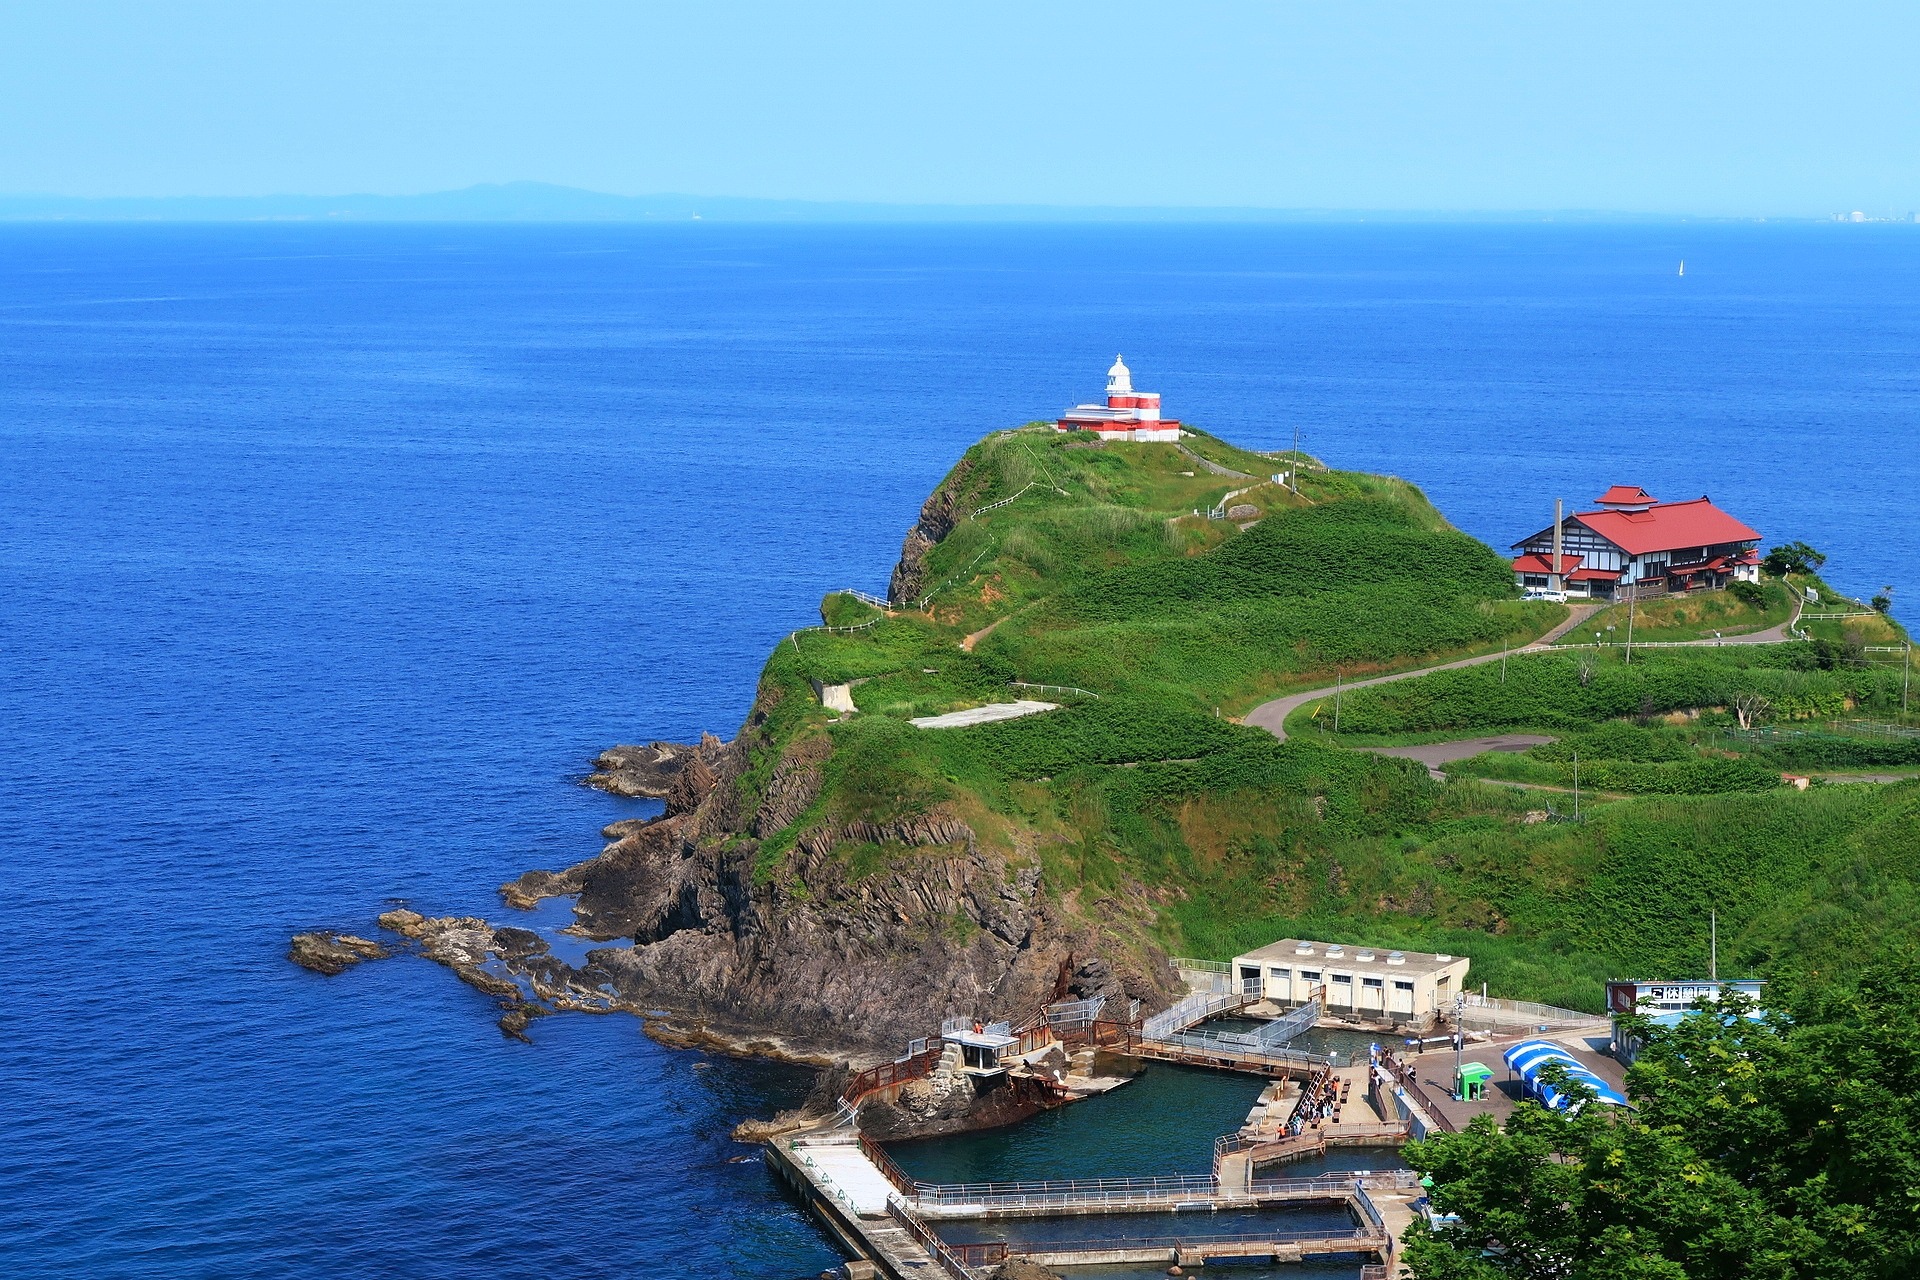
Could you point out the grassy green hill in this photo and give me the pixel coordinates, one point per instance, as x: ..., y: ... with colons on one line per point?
x: 1055, y: 561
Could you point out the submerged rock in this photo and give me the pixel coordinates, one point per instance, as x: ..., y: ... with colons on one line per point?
x: 1021, y: 1269
x: 332, y: 953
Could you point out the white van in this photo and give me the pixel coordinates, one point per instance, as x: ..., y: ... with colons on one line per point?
x: 1545, y: 593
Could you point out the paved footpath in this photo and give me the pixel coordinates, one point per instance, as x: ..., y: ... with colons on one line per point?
x: 1272, y: 716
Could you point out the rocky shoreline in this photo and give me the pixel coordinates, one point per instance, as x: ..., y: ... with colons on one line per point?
x: 826, y: 969
x: 736, y: 921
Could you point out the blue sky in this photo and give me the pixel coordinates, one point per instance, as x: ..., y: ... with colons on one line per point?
x: 1711, y: 108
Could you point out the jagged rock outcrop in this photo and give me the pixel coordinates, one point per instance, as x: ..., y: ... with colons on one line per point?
x: 938, y: 515
x: 821, y: 956
x: 639, y: 771
x: 331, y: 953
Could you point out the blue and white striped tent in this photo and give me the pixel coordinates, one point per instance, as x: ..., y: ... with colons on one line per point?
x: 1528, y: 1057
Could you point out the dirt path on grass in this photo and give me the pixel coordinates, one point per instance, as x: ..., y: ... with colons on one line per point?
x: 1272, y: 716
x: 974, y: 638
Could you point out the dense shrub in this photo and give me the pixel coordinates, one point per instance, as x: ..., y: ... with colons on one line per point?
x: 1318, y: 550
x: 1698, y: 777
x: 1833, y: 751
x: 1113, y: 730
x: 1547, y: 691
x: 1619, y: 741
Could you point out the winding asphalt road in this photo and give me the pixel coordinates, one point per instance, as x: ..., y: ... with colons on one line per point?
x: 1272, y: 716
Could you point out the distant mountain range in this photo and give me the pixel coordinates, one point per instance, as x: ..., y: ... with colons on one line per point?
x: 544, y: 202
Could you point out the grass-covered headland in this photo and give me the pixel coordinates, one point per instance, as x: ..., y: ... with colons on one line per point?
x: 1156, y: 625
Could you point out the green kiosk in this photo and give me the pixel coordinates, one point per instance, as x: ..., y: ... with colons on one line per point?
x: 1471, y: 1084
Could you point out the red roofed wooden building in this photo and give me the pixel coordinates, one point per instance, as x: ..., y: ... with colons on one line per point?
x: 1635, y: 545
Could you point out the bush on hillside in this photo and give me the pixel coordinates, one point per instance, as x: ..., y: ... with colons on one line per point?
x: 1321, y: 549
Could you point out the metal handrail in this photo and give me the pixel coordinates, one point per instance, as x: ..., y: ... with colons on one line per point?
x: 888, y: 1167
x: 1095, y: 1190
x: 1062, y: 688
x: 888, y: 1073
x: 1196, y: 1243
x: 1193, y: 1009
x: 941, y: 1252
x: 1405, y: 1077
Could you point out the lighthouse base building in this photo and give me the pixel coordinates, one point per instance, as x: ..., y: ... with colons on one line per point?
x: 1127, y: 414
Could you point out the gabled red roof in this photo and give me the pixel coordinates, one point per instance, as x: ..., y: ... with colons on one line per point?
x: 1539, y: 564
x: 1625, y: 495
x: 1668, y: 526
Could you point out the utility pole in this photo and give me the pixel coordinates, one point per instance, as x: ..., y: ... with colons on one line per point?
x: 1632, y: 600
x: 1459, y: 1039
x: 1576, y: 786
x: 1906, y: 677
x: 1503, y: 661
x: 1295, y: 475
x: 1336, y: 699
x: 1713, y: 946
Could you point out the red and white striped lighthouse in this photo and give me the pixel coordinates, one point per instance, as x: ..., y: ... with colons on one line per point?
x: 1127, y: 415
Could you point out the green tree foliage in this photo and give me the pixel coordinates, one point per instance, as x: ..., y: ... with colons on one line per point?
x: 1591, y: 1197
x: 1792, y: 557
x: 1782, y: 1144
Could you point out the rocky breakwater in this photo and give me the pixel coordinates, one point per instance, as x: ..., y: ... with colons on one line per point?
x: 515, y: 966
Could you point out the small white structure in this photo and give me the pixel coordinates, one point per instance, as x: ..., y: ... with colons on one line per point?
x: 981, y: 1045
x: 1127, y: 414
x: 1365, y: 982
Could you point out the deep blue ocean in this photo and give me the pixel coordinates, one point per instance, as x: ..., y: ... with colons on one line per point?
x: 329, y: 556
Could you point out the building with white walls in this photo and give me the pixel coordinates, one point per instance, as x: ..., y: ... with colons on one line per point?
x: 1362, y: 982
x: 1127, y: 414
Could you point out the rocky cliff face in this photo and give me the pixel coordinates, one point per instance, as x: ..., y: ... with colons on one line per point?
x: 736, y: 918
x: 937, y: 517
x: 821, y: 957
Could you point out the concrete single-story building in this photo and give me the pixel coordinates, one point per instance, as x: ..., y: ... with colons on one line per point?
x: 1365, y: 982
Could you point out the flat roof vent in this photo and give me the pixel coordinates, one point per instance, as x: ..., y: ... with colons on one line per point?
x: 1396, y: 957
x: 1443, y: 957
x: 1303, y: 948
x: 1363, y: 955
x: 1336, y: 950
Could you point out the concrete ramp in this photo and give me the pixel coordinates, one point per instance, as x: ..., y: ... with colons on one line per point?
x: 983, y: 715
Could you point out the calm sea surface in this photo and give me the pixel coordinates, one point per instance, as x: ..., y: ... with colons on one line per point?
x: 329, y: 556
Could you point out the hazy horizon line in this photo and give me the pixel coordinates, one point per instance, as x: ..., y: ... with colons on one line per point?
x: 529, y: 201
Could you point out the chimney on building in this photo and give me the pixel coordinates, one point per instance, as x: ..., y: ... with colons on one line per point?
x: 1559, y: 583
